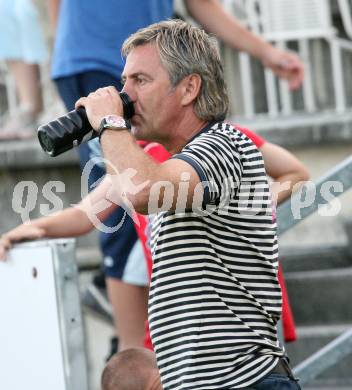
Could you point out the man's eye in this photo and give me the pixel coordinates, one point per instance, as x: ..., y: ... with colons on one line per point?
x: 140, y: 80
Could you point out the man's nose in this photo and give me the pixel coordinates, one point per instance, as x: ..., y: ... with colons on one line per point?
x: 127, y: 88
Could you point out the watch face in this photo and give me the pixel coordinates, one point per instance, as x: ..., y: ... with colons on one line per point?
x: 115, y: 121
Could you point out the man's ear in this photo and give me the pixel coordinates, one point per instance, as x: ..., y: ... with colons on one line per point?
x: 190, y: 85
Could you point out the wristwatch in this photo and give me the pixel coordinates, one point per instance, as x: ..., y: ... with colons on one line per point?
x: 113, y: 122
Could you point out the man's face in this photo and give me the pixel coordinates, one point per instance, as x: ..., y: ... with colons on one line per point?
x: 157, y: 103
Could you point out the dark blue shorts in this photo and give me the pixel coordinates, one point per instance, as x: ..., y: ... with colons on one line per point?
x: 115, y: 246
x: 276, y: 381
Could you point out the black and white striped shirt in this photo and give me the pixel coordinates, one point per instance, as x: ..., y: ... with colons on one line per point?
x: 214, y: 297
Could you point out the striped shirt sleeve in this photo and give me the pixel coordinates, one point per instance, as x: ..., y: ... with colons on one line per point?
x: 214, y: 158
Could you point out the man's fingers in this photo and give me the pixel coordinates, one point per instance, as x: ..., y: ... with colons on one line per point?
x: 80, y: 102
x: 5, y: 245
x: 2, y: 254
x: 113, y: 91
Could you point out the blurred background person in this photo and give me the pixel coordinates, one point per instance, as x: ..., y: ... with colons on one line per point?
x: 22, y: 47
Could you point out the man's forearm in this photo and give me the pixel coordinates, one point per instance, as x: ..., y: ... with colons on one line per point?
x: 131, y: 169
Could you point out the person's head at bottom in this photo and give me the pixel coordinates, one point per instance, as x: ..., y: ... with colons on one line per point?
x: 131, y: 369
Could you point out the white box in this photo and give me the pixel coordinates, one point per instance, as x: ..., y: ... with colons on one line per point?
x: 41, y: 332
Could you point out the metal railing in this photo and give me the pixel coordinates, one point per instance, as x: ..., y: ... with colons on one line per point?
x: 340, y: 347
x: 257, y: 97
x: 286, y: 213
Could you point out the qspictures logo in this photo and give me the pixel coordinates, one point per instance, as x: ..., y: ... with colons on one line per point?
x: 117, y: 189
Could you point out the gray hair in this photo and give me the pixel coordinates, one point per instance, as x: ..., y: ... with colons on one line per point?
x: 185, y: 49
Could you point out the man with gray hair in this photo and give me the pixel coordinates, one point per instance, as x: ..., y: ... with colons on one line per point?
x: 214, y: 297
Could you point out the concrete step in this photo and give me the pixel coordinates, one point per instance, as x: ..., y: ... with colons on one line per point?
x: 312, y: 339
x: 322, y: 128
x: 27, y: 154
x: 88, y: 258
x: 327, y: 387
x: 315, y: 257
x: 317, y: 231
x: 321, y: 297
x: 30, y: 189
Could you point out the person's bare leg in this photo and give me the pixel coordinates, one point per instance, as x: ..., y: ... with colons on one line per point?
x: 27, y: 79
x: 130, y: 306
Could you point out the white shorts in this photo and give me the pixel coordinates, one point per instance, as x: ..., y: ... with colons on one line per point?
x: 135, y: 271
x: 21, y: 34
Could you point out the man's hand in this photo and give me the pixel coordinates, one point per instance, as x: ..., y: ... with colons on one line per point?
x: 102, y: 102
x: 27, y: 231
x: 285, y: 64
